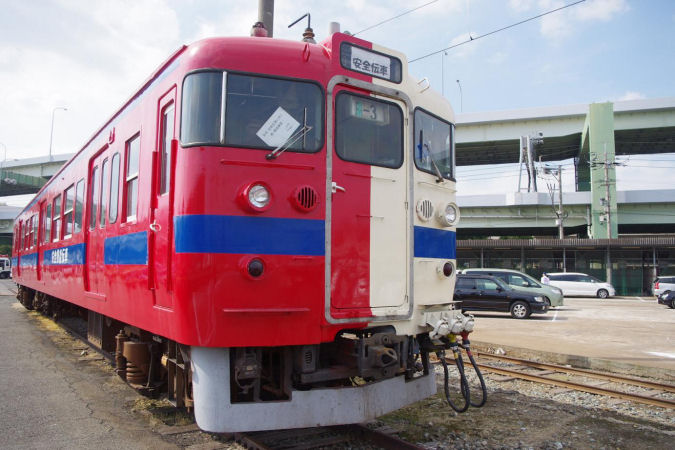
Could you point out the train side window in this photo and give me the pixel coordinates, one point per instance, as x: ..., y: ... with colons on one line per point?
x: 56, y: 218
x: 434, y: 144
x: 79, y: 205
x: 48, y: 224
x: 368, y: 130
x: 93, y: 198
x: 131, y: 183
x: 105, y: 191
x: 33, y: 231
x: 69, y: 197
x: 114, y: 188
x: 166, y: 137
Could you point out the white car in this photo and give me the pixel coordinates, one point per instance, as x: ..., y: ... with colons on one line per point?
x: 581, y: 285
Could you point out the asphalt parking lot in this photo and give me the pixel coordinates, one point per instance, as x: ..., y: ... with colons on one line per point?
x: 624, y: 330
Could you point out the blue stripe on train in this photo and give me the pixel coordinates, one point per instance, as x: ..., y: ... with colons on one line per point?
x: 70, y: 255
x: 29, y: 260
x: 239, y: 234
x: 127, y: 249
x: 433, y: 243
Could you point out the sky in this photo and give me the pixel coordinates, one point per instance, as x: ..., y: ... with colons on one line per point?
x: 89, y: 56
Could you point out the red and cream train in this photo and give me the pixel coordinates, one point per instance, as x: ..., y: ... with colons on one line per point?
x: 266, y: 228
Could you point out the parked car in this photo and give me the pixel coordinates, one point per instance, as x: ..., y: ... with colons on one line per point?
x: 478, y: 292
x: 581, y: 285
x: 522, y: 281
x: 667, y: 298
x: 662, y: 285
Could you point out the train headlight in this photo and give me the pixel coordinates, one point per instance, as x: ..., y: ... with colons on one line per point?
x: 255, y: 197
x: 448, y: 216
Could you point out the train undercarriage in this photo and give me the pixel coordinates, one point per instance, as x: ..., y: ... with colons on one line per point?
x: 155, y: 365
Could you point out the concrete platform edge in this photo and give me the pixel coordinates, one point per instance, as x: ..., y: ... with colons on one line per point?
x: 577, y: 361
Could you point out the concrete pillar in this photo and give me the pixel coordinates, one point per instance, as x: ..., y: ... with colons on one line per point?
x: 597, y: 160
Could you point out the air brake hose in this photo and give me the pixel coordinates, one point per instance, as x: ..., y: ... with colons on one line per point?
x: 464, y: 385
x: 466, y: 345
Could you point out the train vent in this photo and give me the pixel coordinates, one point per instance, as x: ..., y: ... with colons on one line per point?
x: 425, y: 210
x: 305, y: 198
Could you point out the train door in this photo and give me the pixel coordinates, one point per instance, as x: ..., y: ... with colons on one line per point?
x: 95, y: 233
x: 18, y: 246
x: 40, y: 238
x: 161, y: 226
x: 368, y: 226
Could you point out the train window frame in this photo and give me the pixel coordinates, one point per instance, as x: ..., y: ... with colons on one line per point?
x: 33, y: 230
x: 93, y: 196
x: 165, y: 146
x: 113, y: 208
x: 104, y: 192
x: 339, y: 128
x: 47, y: 223
x: 131, y: 178
x: 79, y: 207
x: 452, y: 176
x: 56, y: 219
x: 68, y: 209
x: 223, y: 123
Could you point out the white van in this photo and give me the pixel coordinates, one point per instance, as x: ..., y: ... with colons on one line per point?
x: 5, y: 268
x: 581, y: 285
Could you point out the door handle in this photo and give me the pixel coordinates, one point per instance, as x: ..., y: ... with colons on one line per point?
x: 336, y: 188
x: 154, y: 226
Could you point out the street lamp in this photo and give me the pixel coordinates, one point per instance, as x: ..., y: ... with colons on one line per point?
x: 51, y: 134
x: 443, y: 73
x: 461, y: 97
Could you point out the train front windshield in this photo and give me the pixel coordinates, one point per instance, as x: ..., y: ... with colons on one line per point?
x: 259, y: 112
x: 434, y: 144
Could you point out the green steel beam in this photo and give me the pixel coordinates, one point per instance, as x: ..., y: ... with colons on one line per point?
x: 595, y: 169
x: 12, y: 183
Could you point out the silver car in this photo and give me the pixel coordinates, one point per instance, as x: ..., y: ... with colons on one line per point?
x: 574, y: 284
x: 524, y: 282
x: 663, y: 285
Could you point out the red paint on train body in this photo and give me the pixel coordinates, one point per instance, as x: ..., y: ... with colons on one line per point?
x: 202, y: 298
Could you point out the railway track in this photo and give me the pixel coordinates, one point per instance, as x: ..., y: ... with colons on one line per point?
x: 341, y: 436
x: 656, y: 394
x: 308, y: 438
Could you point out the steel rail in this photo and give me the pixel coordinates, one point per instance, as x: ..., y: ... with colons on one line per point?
x: 317, y: 438
x: 583, y: 372
x: 664, y: 403
x: 383, y: 440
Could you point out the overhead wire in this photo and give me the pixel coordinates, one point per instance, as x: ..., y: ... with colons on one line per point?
x: 395, y: 17
x: 471, y: 38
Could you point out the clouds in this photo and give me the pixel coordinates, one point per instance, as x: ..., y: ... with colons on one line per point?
x: 631, y: 95
x: 564, y: 23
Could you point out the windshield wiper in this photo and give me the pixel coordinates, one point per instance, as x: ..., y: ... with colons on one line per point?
x: 422, y: 145
x: 290, y: 141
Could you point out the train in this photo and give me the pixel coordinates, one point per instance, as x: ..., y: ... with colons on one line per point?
x: 265, y: 232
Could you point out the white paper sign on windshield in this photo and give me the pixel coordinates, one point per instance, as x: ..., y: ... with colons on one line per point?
x: 278, y: 128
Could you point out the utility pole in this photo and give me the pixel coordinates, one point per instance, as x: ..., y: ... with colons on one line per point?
x: 527, y: 144
x: 561, y: 230
x: 608, y: 212
x: 608, y: 207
